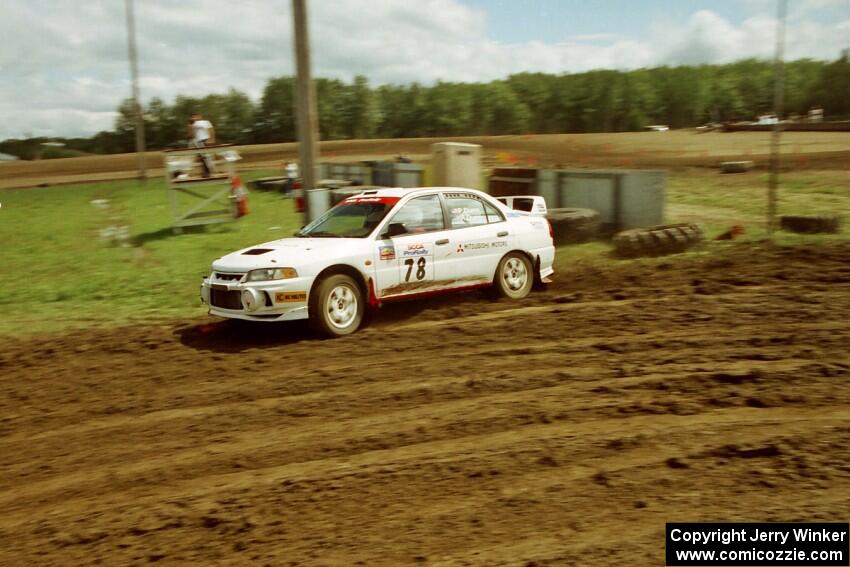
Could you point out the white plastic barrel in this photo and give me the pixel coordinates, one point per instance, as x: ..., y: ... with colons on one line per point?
x: 319, y: 201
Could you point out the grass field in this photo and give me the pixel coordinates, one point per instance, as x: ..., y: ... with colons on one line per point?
x: 67, y: 276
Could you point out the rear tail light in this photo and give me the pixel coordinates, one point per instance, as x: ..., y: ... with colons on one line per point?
x: 551, y: 231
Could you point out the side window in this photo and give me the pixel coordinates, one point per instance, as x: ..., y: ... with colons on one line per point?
x: 465, y: 211
x: 493, y: 214
x: 422, y: 214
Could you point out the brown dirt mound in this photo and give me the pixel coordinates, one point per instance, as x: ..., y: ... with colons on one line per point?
x: 562, y: 430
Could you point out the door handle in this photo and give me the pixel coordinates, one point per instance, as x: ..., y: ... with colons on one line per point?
x: 501, y: 234
x: 442, y: 241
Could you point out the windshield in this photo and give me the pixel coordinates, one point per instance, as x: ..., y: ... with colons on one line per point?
x: 356, y: 217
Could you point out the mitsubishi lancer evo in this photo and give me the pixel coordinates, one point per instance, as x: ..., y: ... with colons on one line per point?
x: 379, y: 246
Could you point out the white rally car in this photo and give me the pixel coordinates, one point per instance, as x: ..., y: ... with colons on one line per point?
x: 378, y: 246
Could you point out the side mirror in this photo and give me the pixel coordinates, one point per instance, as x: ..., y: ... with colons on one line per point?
x: 394, y: 229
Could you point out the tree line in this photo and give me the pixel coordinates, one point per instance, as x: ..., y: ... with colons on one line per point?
x: 593, y: 101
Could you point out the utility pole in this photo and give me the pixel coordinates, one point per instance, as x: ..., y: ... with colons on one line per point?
x: 778, y: 103
x: 305, y: 102
x: 137, y: 105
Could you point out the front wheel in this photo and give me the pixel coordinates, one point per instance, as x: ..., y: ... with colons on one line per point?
x: 514, y: 276
x: 337, y: 307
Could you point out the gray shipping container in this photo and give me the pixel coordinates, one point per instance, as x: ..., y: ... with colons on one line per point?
x: 625, y: 198
x: 392, y: 174
x: 357, y: 173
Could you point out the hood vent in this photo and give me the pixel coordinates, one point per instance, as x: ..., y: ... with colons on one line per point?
x: 256, y: 251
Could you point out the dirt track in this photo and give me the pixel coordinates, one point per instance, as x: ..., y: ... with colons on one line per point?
x: 562, y: 430
x: 682, y: 148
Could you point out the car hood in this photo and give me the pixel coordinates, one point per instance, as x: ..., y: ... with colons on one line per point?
x: 286, y: 253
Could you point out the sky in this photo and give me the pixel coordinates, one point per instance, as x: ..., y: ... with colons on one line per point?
x: 64, y: 69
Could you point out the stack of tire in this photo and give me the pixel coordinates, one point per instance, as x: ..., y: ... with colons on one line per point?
x: 810, y: 224
x: 572, y: 226
x: 657, y: 240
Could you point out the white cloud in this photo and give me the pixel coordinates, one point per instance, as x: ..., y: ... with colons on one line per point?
x: 708, y: 38
x: 63, y: 67
x: 597, y: 37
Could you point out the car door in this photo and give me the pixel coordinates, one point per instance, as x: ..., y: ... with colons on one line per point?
x: 410, y: 263
x: 479, y: 238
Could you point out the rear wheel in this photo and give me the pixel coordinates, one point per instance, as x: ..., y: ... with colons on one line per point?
x: 514, y: 276
x: 337, y: 306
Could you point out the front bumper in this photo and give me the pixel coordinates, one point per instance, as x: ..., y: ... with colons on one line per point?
x: 278, y: 300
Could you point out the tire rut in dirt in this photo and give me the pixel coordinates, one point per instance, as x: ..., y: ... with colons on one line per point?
x: 562, y: 419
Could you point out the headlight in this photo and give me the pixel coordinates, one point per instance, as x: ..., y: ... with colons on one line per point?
x: 267, y: 274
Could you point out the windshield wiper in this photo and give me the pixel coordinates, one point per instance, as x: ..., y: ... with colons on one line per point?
x: 321, y: 234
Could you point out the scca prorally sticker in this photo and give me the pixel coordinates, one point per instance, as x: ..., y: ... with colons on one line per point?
x: 416, y: 250
x: 387, y: 252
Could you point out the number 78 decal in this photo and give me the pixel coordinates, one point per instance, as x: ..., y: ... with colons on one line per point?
x: 420, y: 273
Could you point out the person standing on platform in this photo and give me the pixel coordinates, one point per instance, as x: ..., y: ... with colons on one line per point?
x: 290, y: 168
x: 201, y: 134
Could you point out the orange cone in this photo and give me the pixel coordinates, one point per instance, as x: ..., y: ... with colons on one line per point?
x: 239, y: 196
